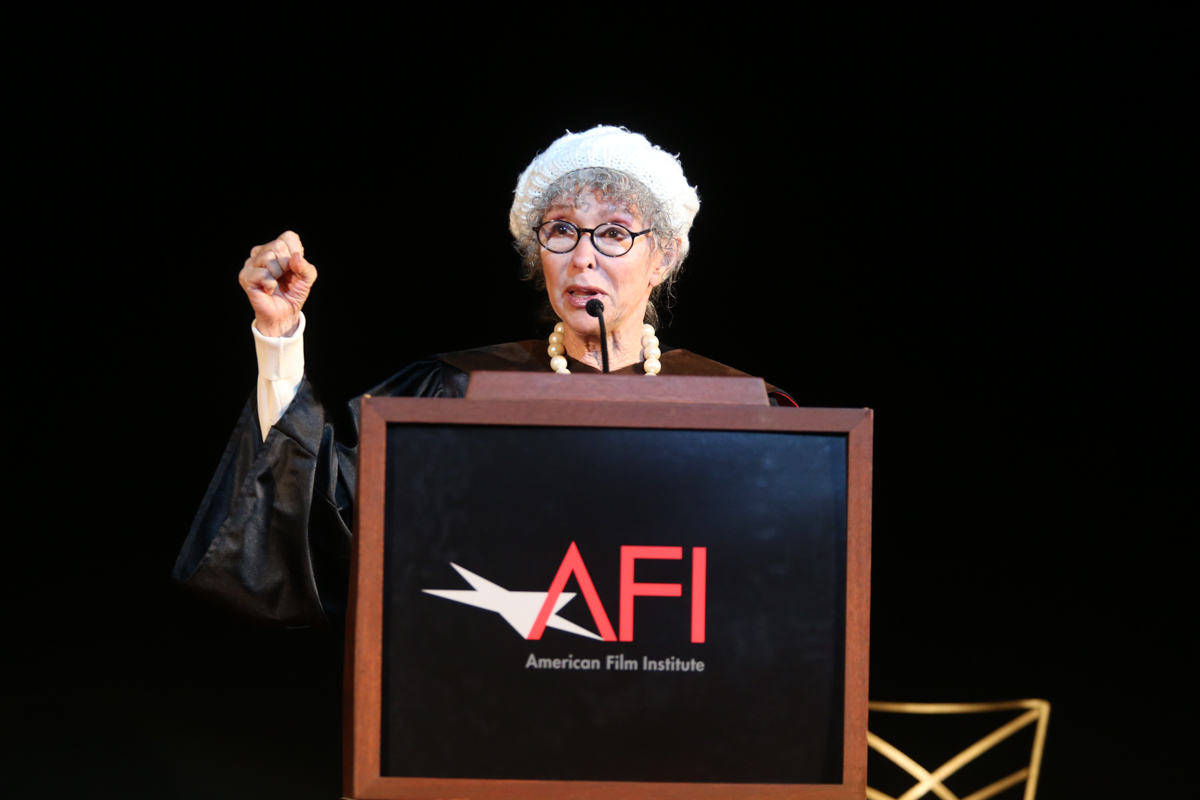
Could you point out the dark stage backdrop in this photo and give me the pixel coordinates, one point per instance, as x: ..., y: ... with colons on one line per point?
x: 945, y: 229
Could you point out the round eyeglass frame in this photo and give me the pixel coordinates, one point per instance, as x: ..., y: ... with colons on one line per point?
x: 591, y: 232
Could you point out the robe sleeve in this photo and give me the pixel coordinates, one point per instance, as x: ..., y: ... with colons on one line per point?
x: 780, y: 398
x: 272, y: 538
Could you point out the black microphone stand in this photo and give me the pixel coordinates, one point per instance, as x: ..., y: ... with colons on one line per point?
x: 596, y: 309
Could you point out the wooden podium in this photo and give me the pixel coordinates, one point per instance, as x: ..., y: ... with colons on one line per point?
x: 719, y: 549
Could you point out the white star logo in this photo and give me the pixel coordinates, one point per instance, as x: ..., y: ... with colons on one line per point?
x: 519, y: 609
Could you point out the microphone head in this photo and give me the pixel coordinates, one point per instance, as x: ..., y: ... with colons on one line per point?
x: 594, y: 307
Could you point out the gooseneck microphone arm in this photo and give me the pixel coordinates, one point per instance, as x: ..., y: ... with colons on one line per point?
x: 596, y: 309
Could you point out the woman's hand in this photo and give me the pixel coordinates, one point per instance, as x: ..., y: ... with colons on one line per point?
x: 277, y: 279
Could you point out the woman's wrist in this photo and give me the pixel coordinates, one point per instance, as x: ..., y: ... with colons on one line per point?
x: 277, y: 329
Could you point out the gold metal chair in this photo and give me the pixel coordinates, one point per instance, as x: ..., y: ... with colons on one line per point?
x: 1038, y: 711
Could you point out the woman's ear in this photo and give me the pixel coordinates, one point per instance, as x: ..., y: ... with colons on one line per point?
x: 670, y: 255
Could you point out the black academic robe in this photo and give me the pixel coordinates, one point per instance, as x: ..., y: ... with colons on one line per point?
x: 272, y: 537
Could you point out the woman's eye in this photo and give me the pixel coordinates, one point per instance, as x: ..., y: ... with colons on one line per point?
x: 562, y: 230
x: 614, y: 233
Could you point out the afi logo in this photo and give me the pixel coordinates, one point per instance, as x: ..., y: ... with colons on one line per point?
x: 530, y: 613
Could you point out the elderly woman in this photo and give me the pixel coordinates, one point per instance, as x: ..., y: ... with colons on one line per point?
x: 600, y: 215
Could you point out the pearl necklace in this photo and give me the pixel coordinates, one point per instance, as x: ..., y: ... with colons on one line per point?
x: 650, y: 351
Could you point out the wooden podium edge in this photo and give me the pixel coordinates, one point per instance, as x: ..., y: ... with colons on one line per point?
x: 617, y: 388
x: 859, y: 485
x: 617, y: 414
x: 362, y: 683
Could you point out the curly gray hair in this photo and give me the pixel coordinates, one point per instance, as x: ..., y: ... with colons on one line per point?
x: 616, y: 188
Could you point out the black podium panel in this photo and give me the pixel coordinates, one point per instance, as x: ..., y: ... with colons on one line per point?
x: 717, y: 657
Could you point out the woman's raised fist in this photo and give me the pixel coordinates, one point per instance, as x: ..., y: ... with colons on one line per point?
x: 277, y: 279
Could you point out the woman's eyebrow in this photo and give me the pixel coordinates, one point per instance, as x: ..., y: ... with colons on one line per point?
x: 623, y: 213
x: 620, y: 215
x: 559, y: 210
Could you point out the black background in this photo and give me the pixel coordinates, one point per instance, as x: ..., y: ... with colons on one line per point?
x: 965, y: 223
x: 458, y: 700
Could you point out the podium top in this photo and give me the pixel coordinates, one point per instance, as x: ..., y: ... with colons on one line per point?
x: 617, y: 388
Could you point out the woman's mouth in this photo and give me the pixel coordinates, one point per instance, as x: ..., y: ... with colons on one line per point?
x: 579, y: 296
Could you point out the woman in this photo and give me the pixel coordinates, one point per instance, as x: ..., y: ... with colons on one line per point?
x: 600, y: 215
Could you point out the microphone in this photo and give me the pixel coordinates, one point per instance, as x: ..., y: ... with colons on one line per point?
x: 596, y: 309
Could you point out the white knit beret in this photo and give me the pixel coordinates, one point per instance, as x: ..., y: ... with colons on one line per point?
x: 614, y: 148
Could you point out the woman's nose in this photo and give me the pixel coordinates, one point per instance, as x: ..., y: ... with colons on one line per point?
x: 584, y: 255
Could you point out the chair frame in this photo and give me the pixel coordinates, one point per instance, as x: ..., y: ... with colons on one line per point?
x: 1038, y: 711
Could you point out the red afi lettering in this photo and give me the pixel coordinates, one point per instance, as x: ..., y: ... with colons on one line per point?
x: 629, y: 589
x: 573, y: 562
x: 699, y: 591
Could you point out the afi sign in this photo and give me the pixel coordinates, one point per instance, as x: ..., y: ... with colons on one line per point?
x: 612, y: 704
x: 530, y: 613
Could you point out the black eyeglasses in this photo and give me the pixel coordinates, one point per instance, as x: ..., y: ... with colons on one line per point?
x: 611, y: 239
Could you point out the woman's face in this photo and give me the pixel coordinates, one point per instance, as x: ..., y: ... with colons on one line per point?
x: 622, y: 283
